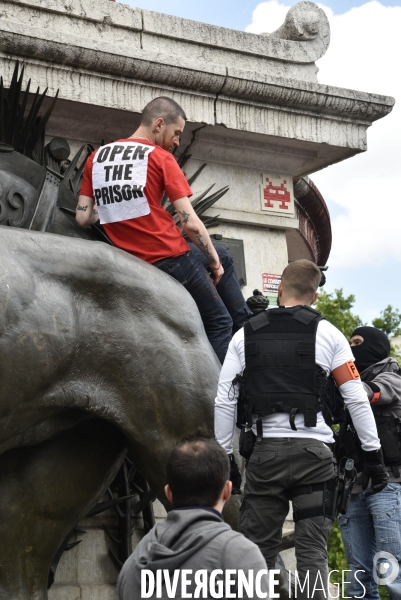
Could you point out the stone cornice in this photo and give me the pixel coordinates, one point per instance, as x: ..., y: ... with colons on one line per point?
x: 240, y: 41
x: 122, y: 16
x: 136, y: 63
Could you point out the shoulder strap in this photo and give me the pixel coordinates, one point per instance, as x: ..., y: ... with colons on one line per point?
x: 258, y: 321
x: 307, y: 314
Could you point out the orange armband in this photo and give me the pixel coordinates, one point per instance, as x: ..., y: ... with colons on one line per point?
x: 347, y: 372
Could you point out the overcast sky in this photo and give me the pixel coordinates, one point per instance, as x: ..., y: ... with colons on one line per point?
x: 363, y: 193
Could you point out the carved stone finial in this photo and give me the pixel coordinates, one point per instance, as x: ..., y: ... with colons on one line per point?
x: 303, y: 22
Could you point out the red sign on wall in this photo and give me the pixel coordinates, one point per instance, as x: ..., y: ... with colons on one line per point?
x: 271, y: 283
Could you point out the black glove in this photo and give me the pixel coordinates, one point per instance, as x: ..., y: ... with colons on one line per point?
x: 235, y: 475
x: 374, y: 469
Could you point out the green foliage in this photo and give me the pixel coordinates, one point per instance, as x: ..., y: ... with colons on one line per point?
x: 389, y: 321
x: 395, y: 354
x: 336, y: 308
x: 336, y: 556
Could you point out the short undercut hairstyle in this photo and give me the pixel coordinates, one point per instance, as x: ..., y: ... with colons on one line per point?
x: 300, y: 279
x: 164, y: 107
x: 197, y: 471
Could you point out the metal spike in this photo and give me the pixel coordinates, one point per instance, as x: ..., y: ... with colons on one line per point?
x: 72, y: 545
x: 196, y: 200
x: 40, y: 123
x: 102, y: 506
x: 208, y: 202
x: 196, y: 174
x: 2, y: 112
x: 18, y: 143
x: 113, y: 537
x: 12, y: 100
x: 117, y: 563
x: 139, y: 506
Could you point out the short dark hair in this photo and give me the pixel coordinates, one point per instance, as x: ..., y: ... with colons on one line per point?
x: 300, y: 279
x: 164, y: 107
x: 197, y: 470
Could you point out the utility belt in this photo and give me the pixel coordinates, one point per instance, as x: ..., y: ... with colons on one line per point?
x: 389, y: 433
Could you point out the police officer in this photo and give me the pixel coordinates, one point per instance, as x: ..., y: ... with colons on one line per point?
x: 286, y: 356
x: 373, y: 524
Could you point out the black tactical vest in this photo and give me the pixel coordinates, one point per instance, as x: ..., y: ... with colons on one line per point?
x: 281, y: 374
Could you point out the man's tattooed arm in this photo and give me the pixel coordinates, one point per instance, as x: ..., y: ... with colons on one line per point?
x: 185, y: 216
x: 197, y: 233
x: 86, y: 212
x: 204, y: 247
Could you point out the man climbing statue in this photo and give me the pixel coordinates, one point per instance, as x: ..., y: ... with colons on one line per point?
x: 123, y: 186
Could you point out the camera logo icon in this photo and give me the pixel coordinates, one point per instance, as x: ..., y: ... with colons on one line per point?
x: 385, y: 571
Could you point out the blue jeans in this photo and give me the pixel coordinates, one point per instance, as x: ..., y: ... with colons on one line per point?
x: 373, y: 525
x: 222, y: 307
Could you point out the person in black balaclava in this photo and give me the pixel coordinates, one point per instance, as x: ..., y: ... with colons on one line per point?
x: 369, y: 346
x: 364, y: 533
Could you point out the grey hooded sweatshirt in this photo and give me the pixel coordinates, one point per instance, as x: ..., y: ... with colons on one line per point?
x: 195, y: 539
x: 384, y: 376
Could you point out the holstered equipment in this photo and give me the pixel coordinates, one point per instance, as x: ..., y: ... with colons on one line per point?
x: 324, y: 503
x: 334, y: 497
x: 247, y: 441
x: 389, y: 433
x: 281, y: 374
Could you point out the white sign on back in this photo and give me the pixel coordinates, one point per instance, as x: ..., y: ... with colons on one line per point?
x: 118, y: 180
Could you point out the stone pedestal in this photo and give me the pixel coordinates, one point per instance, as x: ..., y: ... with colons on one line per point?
x: 87, y: 572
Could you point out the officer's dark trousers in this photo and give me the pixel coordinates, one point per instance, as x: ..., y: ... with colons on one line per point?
x: 276, y: 466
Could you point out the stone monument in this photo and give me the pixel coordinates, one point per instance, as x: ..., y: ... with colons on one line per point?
x: 262, y: 123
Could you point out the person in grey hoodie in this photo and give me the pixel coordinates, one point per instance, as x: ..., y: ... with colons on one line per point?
x: 194, y: 553
x: 371, y: 528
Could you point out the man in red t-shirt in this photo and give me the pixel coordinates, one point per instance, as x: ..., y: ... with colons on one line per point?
x: 123, y: 186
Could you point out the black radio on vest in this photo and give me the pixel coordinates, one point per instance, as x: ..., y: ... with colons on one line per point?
x: 281, y: 373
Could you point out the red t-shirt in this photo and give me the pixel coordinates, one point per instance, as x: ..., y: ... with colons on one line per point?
x: 154, y: 236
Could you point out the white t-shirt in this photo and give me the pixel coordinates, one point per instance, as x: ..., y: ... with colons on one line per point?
x: 332, y: 351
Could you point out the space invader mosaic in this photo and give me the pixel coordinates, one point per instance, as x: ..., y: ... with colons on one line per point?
x: 277, y: 194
